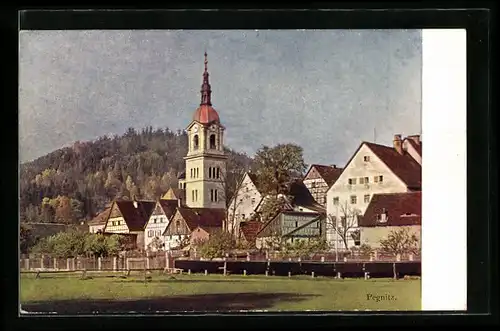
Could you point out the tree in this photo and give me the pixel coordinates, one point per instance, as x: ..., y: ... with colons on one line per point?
x: 275, y: 166
x: 26, y: 238
x: 114, y: 245
x: 400, y: 241
x: 95, y: 245
x: 156, y: 244
x: 344, y: 224
x: 217, y: 245
x: 271, y: 206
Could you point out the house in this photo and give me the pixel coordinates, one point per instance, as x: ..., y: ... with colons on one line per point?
x: 243, y: 203
x: 186, y: 220
x: 202, y: 233
x: 319, y: 178
x: 372, y: 169
x: 129, y: 217
x: 96, y: 225
x: 157, y: 223
x: 290, y: 226
x: 388, y: 212
x: 182, y: 180
x: 248, y: 232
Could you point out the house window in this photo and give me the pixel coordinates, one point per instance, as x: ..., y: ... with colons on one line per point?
x: 367, y: 180
x: 216, y: 197
x: 253, y: 201
x: 378, y: 179
x: 197, y: 172
x: 196, y: 195
x: 154, y: 220
x: 361, y: 180
x: 113, y: 223
x: 243, y: 216
x: 158, y: 233
x: 367, y: 198
x: 366, y: 158
x: 352, y: 181
x: 336, y: 200
x: 196, y: 142
x: 150, y: 233
x: 296, y: 224
x: 192, y: 195
x: 354, y: 199
x: 191, y: 171
x: 247, y: 190
x: 313, y: 184
x: 212, y: 141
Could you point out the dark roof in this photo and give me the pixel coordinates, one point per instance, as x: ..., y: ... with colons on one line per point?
x: 179, y: 193
x: 182, y: 175
x: 417, y: 147
x: 329, y: 173
x: 301, y: 196
x: 255, y: 181
x: 169, y: 207
x: 401, y: 208
x: 402, y: 165
x: 136, y: 218
x: 249, y: 230
x: 204, y: 217
x: 101, y: 218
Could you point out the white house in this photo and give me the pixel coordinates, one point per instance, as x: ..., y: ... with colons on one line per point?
x: 157, y: 223
x: 372, y: 169
x: 243, y: 202
x: 97, y: 223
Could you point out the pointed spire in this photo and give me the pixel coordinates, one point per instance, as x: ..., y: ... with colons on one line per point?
x: 205, y: 87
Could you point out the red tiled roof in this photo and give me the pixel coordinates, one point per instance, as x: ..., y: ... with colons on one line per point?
x: 329, y: 173
x: 249, y: 230
x: 402, y: 165
x: 169, y: 207
x: 207, y: 217
x: 401, y: 208
x: 417, y: 147
x: 206, y: 114
x: 136, y: 218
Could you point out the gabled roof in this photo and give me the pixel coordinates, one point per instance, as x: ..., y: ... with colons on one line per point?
x: 329, y: 173
x: 302, y: 197
x: 101, y: 218
x: 249, y: 230
x: 401, y: 209
x: 403, y: 165
x: 136, y: 218
x: 174, y: 193
x: 207, y: 217
x: 169, y: 207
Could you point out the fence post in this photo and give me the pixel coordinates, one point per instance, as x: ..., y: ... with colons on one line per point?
x: 147, y: 262
x: 345, y: 258
x: 27, y: 264
x: 115, y: 263
x: 410, y: 257
x: 55, y: 263
x: 398, y: 257
x: 312, y: 274
x: 299, y: 259
x: 127, y: 263
x: 41, y: 262
x: 371, y: 258
x: 375, y: 255
x: 99, y: 263
x: 322, y: 259
x: 394, y: 271
x: 248, y: 256
x: 73, y: 263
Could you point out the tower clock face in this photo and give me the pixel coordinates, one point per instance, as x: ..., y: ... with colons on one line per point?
x: 213, y: 127
x: 195, y: 128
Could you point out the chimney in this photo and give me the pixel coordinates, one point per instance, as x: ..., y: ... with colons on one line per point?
x: 415, y: 138
x: 334, y: 166
x: 398, y: 146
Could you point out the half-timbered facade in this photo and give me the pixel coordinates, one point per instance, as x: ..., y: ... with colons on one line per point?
x: 129, y: 217
x: 186, y: 220
x: 319, y: 178
x: 157, y: 223
x: 291, y: 226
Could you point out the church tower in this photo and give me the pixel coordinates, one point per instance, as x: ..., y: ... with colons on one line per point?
x: 206, y: 159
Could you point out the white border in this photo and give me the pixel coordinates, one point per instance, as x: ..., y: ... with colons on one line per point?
x: 444, y: 196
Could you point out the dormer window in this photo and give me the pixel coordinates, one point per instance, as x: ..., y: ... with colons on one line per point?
x: 382, y: 217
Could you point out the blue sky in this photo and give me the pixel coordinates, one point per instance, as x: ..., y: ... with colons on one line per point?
x: 326, y: 90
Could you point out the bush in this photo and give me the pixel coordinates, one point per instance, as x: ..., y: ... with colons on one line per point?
x: 218, y: 244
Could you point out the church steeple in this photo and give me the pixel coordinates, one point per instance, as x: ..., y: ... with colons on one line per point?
x: 205, y: 87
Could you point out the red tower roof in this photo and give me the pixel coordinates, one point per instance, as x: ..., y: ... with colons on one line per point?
x: 206, y: 113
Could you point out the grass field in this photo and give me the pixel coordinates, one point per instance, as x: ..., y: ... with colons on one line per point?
x: 111, y: 294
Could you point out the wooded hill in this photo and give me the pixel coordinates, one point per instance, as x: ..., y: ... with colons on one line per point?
x: 74, y: 183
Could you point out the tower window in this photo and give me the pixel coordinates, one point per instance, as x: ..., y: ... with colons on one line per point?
x: 218, y: 172
x: 212, y: 141
x: 196, y: 142
x: 209, y: 172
